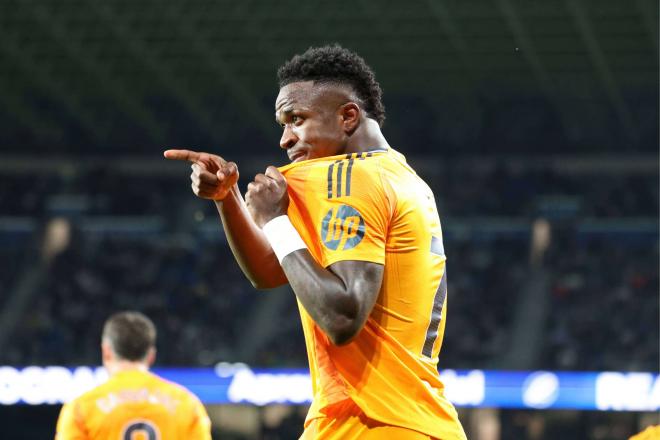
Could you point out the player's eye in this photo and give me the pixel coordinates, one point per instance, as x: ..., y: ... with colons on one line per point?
x: 296, y: 119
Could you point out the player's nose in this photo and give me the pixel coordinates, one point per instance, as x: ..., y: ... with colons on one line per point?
x: 288, y: 138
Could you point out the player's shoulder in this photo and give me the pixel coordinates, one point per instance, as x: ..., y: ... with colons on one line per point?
x: 368, y: 160
x: 92, y: 394
x: 380, y: 165
x: 386, y: 169
x: 349, y: 175
x: 87, y: 400
x: 165, y: 384
x: 174, y: 389
x: 356, y: 176
x: 131, y: 380
x: 396, y: 163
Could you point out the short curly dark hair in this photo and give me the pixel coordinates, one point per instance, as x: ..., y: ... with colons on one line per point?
x: 336, y: 64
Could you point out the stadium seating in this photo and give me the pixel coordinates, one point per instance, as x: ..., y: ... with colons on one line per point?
x: 145, y: 242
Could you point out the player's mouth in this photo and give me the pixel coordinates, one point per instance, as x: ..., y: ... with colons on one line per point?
x: 297, y: 156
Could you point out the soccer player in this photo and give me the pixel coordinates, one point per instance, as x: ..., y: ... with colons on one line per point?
x: 355, y: 232
x: 133, y: 403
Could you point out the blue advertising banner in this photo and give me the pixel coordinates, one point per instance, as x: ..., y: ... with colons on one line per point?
x: 237, y: 383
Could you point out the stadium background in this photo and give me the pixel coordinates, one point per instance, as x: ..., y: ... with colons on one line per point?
x: 535, y: 123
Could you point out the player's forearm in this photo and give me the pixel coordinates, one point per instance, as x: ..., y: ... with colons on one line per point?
x: 331, y: 303
x: 248, y: 243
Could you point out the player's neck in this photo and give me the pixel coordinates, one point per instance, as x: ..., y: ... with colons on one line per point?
x: 121, y: 366
x: 367, y: 137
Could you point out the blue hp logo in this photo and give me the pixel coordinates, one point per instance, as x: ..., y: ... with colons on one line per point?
x: 342, y: 228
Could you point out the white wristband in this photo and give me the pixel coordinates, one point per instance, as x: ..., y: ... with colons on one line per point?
x: 283, y: 237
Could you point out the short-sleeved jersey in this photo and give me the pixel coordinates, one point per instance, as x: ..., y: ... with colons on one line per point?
x: 134, y: 405
x: 373, y: 207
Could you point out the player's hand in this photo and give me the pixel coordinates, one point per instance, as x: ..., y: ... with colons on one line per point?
x: 212, y: 177
x: 266, y: 197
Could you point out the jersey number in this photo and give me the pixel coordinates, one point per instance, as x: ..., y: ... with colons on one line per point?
x: 148, y: 430
x: 438, y: 302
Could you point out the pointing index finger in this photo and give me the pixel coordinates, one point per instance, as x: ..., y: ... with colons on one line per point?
x: 189, y: 155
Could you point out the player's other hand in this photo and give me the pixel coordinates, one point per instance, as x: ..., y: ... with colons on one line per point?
x: 212, y: 177
x: 266, y: 197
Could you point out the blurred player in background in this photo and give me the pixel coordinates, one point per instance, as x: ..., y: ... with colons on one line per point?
x: 355, y: 232
x: 133, y: 403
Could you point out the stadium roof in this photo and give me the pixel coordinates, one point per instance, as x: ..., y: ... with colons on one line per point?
x: 83, y: 75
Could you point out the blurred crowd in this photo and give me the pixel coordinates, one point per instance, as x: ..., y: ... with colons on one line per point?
x: 463, y: 188
x: 145, y: 242
x: 194, y: 292
x: 604, y: 313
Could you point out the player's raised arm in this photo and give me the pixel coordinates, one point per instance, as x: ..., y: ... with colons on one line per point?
x: 214, y: 178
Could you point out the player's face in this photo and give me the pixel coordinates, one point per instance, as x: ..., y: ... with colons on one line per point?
x: 311, y: 119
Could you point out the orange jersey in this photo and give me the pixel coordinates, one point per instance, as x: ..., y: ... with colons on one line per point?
x: 373, y: 207
x: 650, y: 433
x: 134, y: 405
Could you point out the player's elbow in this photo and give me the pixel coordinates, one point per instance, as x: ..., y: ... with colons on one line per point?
x: 340, y: 339
x: 344, y: 330
x: 265, y: 283
x: 347, y: 318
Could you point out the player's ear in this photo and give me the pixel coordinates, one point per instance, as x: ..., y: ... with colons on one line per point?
x: 151, y: 356
x: 106, y: 352
x: 350, y: 114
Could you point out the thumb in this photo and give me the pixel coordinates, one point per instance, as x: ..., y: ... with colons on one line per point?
x: 228, y: 172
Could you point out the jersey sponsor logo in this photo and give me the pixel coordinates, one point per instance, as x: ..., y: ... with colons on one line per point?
x: 342, y: 228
